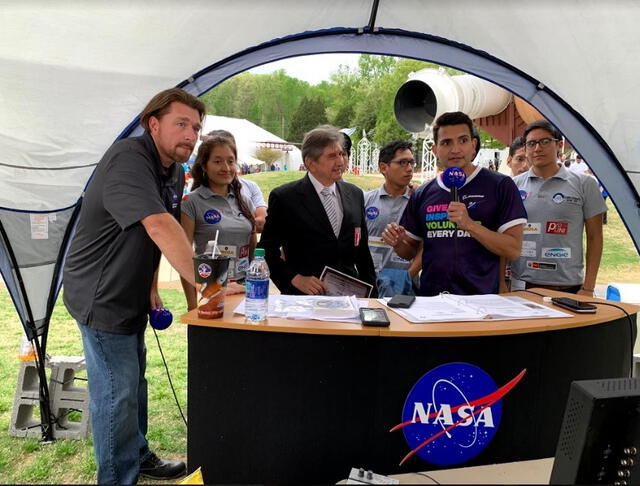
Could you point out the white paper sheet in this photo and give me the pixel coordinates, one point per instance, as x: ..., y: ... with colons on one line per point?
x: 449, y: 307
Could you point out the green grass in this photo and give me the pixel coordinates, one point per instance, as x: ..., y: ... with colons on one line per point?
x: 28, y: 461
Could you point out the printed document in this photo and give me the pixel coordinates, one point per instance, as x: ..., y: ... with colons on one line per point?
x: 450, y: 307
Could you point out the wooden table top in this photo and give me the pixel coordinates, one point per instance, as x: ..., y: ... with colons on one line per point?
x: 400, y: 327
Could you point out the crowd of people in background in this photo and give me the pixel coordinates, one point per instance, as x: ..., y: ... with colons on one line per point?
x: 398, y: 238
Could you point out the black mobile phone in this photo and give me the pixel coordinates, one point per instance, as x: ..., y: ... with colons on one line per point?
x: 374, y: 317
x: 401, y: 301
x: 574, y: 305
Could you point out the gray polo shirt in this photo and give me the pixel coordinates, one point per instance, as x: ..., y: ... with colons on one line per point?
x: 552, y: 251
x: 380, y: 210
x: 212, y: 212
x: 251, y: 190
x: 109, y: 269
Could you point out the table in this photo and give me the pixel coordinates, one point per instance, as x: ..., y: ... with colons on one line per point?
x: 304, y: 401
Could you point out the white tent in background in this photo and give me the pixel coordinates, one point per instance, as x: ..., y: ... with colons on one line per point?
x: 75, y: 75
x: 250, y: 137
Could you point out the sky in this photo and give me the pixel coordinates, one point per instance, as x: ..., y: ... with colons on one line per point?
x: 313, y: 69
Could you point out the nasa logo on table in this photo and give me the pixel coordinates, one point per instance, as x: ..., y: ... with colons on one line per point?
x: 372, y: 212
x: 212, y: 216
x: 204, y: 270
x: 452, y: 413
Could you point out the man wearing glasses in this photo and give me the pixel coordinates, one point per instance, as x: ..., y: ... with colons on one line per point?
x: 385, y: 205
x: 467, y: 241
x: 560, y: 204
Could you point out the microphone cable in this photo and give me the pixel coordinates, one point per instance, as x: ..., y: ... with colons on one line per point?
x: 166, y: 367
x: 629, y: 320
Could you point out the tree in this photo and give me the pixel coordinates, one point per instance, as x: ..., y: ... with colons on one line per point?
x: 267, y: 155
x: 308, y: 115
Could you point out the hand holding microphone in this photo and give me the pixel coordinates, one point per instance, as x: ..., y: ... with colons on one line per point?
x: 454, y: 178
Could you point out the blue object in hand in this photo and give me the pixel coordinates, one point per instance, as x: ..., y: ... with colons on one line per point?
x: 160, y: 318
x: 454, y: 178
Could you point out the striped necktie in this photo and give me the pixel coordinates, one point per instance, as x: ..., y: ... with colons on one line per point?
x: 329, y: 203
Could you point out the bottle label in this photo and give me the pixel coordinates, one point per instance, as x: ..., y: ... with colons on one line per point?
x: 257, y: 289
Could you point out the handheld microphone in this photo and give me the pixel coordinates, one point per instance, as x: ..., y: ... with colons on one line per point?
x: 160, y: 318
x: 454, y: 178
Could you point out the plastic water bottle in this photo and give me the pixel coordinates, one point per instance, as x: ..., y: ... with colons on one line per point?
x: 256, y: 304
x: 27, y: 351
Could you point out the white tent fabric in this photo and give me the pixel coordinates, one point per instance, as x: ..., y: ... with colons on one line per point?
x: 250, y: 137
x: 74, y: 74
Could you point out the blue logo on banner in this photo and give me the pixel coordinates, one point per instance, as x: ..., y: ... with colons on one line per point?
x: 212, y: 216
x: 372, y: 212
x: 452, y: 413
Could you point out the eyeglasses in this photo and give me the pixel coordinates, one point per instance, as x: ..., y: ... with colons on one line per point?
x: 531, y: 144
x: 404, y: 162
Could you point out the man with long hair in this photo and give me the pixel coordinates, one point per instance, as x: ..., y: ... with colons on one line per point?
x: 129, y: 217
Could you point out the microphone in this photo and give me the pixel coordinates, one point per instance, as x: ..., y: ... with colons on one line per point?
x: 160, y: 318
x: 453, y: 178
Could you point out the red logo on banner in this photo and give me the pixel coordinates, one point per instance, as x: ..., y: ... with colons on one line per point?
x: 557, y: 228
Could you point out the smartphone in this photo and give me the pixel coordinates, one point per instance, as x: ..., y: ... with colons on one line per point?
x: 401, y: 301
x: 574, y: 305
x: 374, y: 317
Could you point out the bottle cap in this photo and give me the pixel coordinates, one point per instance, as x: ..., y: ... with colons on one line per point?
x: 160, y: 318
x: 258, y: 252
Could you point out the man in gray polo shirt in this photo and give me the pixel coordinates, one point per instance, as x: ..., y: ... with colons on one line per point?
x: 384, y: 205
x: 559, y: 204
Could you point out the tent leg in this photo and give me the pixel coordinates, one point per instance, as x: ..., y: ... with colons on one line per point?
x: 46, y: 419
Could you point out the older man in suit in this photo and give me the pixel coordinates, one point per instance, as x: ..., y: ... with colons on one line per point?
x: 316, y: 221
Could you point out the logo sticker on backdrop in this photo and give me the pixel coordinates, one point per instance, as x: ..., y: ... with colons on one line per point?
x: 372, y: 212
x: 557, y: 228
x: 558, y: 198
x: 452, y: 413
x: 204, y: 270
x: 212, y: 216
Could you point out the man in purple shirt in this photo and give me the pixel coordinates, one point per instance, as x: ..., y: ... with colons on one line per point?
x: 465, y: 242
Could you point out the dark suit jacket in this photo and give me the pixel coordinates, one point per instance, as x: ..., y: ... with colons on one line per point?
x: 297, y: 222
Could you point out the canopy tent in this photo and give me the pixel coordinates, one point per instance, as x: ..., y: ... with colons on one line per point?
x: 74, y: 75
x: 250, y: 137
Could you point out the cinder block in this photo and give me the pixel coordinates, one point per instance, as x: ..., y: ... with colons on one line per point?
x: 28, y: 385
x: 65, y: 397
x: 63, y: 381
x: 68, y: 429
x: 24, y: 421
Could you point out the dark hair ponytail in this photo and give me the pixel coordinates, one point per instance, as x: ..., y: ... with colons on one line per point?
x: 236, y: 187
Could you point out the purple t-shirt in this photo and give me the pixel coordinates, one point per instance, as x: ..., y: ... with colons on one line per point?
x: 453, y: 261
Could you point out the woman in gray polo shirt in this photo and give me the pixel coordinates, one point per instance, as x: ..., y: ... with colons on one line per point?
x: 215, y: 203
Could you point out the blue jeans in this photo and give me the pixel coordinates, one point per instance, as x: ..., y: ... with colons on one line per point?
x: 116, y: 365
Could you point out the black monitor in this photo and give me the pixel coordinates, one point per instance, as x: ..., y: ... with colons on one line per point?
x: 599, y: 440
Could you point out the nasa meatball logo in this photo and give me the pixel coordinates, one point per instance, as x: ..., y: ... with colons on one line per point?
x: 204, y: 270
x: 212, y: 216
x: 452, y: 413
x: 372, y: 212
